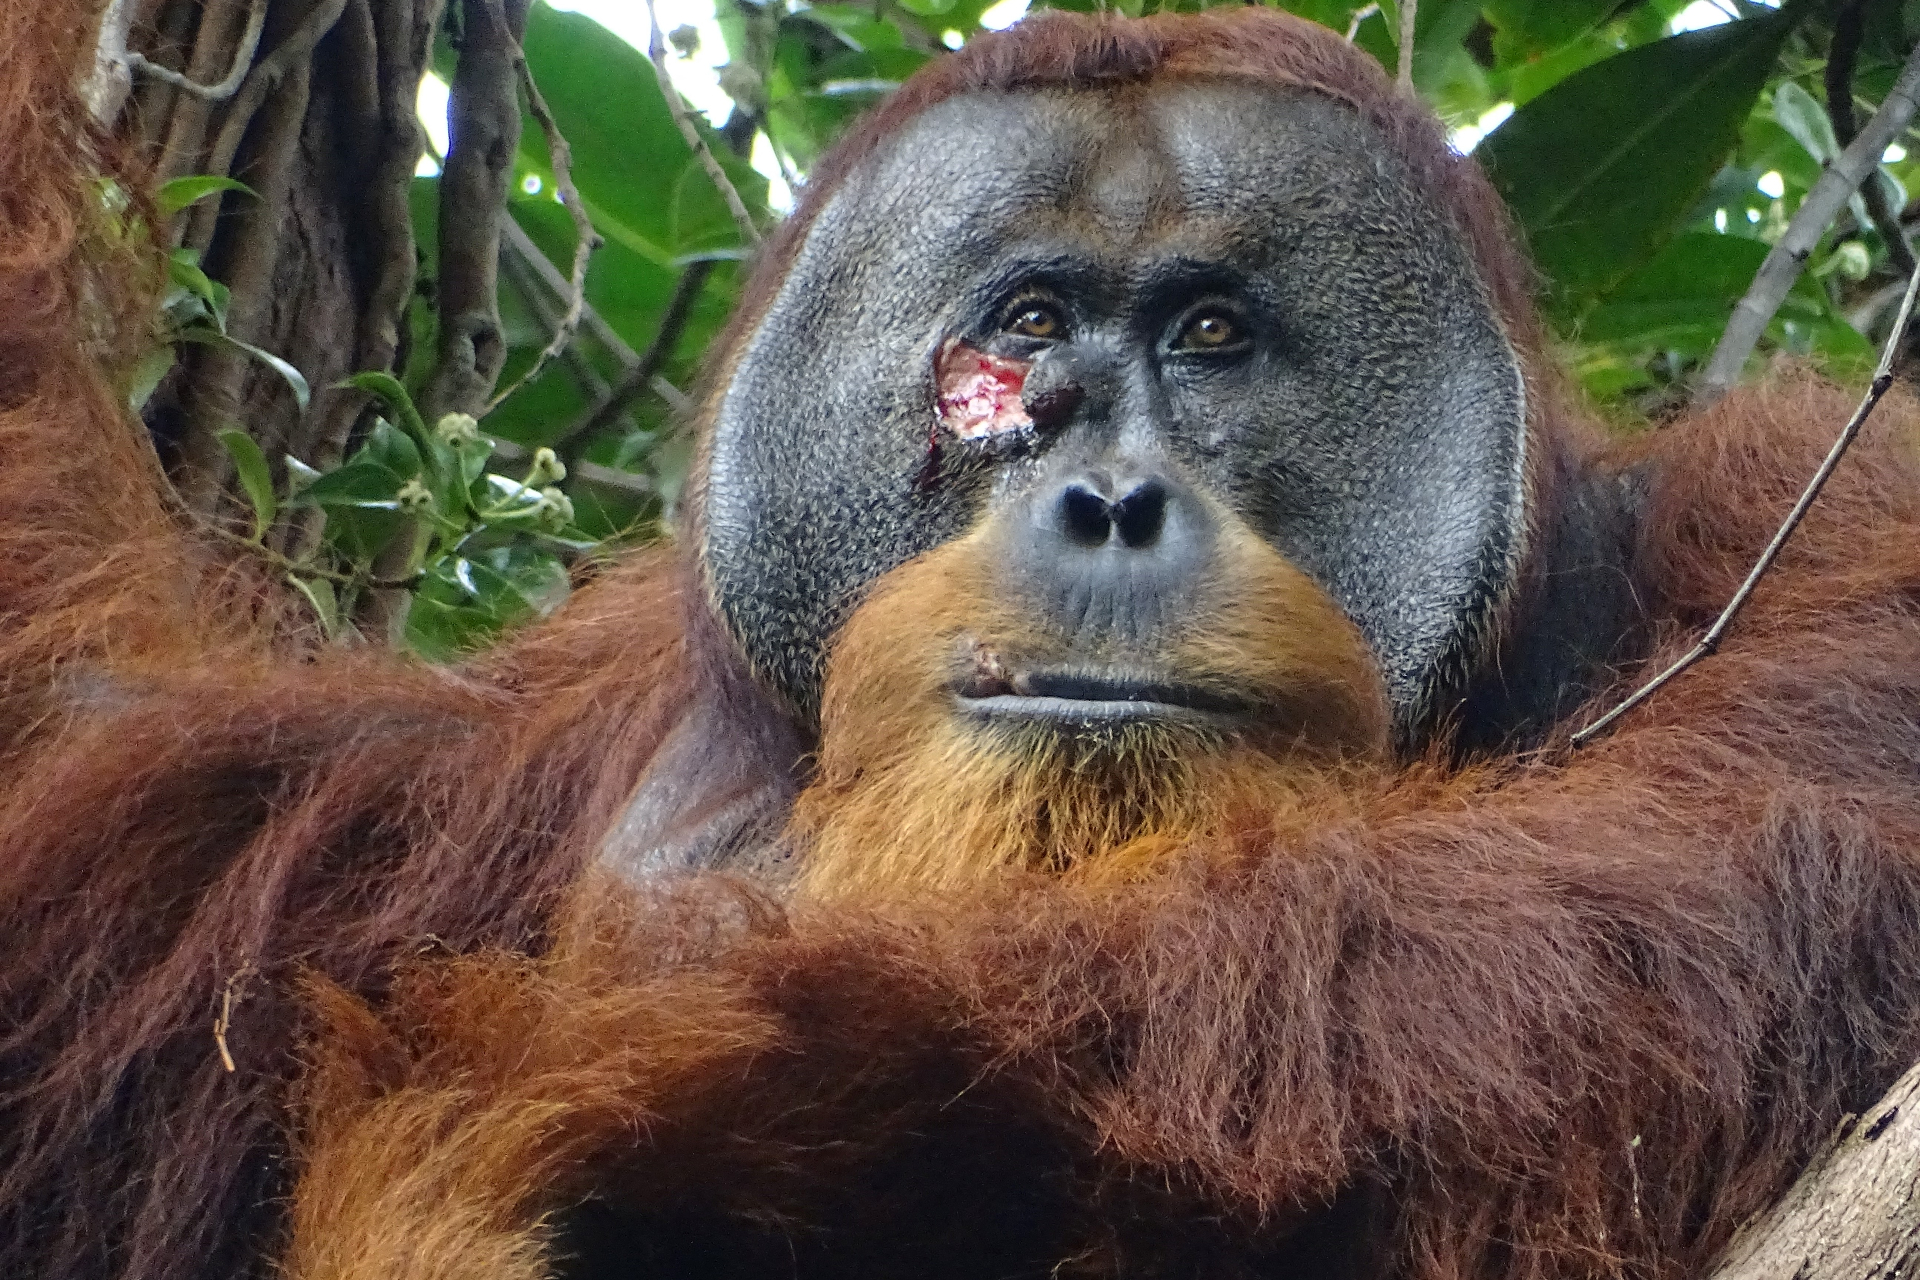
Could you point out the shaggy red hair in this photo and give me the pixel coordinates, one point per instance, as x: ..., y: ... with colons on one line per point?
x: 1539, y: 1017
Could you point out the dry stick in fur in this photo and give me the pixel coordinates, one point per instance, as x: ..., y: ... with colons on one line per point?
x: 1882, y: 379
x: 657, y: 53
x: 561, y: 156
x: 224, y: 1023
x: 1789, y: 255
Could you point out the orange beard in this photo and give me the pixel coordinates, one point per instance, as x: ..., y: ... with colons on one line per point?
x: 912, y: 794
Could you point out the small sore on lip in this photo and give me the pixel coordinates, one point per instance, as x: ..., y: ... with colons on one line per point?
x: 979, y: 392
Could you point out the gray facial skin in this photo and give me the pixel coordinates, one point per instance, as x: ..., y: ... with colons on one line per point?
x: 1368, y: 420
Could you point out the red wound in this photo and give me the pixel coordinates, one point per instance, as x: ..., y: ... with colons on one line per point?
x: 980, y: 393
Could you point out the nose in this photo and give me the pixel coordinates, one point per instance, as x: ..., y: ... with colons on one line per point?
x: 1109, y: 555
x: 1135, y: 519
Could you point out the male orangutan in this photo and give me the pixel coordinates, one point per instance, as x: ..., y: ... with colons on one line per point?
x: 1085, y: 794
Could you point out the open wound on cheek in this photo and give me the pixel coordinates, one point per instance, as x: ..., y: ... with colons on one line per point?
x: 980, y: 393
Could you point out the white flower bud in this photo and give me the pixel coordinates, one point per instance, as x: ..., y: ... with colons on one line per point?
x: 557, y: 508
x: 547, y: 469
x: 457, y: 429
x: 414, y: 496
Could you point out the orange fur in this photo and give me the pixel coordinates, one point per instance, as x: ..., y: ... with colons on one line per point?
x: 1564, y: 1017
x: 911, y: 797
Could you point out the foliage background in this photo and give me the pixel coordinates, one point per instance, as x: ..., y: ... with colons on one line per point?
x: 1648, y: 166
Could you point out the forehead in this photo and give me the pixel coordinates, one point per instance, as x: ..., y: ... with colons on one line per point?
x: 1202, y: 164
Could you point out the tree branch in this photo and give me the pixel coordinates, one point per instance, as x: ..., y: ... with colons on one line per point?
x: 1409, y: 11
x: 514, y: 240
x: 532, y: 289
x: 1854, y: 1214
x: 1789, y: 255
x: 214, y: 391
x: 111, y: 80
x: 485, y: 124
x: 293, y: 54
x: 230, y: 83
x: 640, y: 375
x: 521, y: 246
x: 657, y: 53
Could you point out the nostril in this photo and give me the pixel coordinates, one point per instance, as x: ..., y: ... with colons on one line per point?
x: 1084, y: 515
x: 1140, y: 515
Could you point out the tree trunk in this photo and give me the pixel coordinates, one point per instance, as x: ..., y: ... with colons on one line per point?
x: 322, y: 126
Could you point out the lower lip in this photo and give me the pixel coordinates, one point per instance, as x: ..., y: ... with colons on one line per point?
x: 1081, y: 711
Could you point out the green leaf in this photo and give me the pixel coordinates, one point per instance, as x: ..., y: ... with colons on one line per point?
x: 629, y: 159
x: 361, y: 531
x: 389, y: 389
x: 300, y: 476
x: 255, y: 478
x: 1602, y: 168
x: 388, y: 446
x: 180, y: 192
x: 357, y: 484
x: 326, y: 605
x: 183, y: 270
x: 294, y: 379
x: 1681, y: 298
x: 1527, y: 27
x: 442, y: 632
x: 147, y: 373
x: 461, y: 604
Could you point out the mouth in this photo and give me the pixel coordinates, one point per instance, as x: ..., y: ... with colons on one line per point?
x: 1081, y: 697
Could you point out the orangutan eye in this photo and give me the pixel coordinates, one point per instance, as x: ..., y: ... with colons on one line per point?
x: 1209, y: 331
x: 1035, y: 320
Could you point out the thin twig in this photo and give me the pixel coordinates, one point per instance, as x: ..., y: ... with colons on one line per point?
x: 283, y: 564
x: 1882, y: 379
x: 683, y: 117
x: 1408, y: 10
x: 1789, y: 255
x: 1849, y: 27
x: 515, y: 240
x: 640, y: 376
x: 230, y: 83
x: 546, y: 313
x: 560, y: 155
x: 1360, y: 15
x: 626, y: 357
